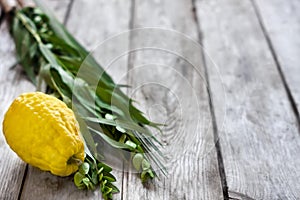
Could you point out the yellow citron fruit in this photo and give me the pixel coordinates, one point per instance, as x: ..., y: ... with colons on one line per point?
x: 44, y: 132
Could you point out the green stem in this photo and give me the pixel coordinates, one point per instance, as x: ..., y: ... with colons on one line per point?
x: 74, y: 160
x: 29, y: 28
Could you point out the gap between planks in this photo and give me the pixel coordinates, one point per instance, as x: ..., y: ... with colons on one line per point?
x: 234, y: 143
x: 23, y: 182
x: 140, y: 22
x: 129, y: 81
x: 279, y: 67
x: 211, y: 108
x: 67, y: 15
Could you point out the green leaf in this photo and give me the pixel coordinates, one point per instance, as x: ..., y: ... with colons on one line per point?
x: 106, y: 168
x: 137, y: 161
x: 48, y: 55
x: 112, y: 142
x: 25, y: 46
x: 107, y: 106
x: 26, y: 21
x: 114, y: 188
x: 33, y: 50
x: 100, y: 170
x: 84, y: 168
x: 72, y: 64
x: 94, y: 178
x: 145, y: 165
x: 110, y: 178
x: 100, y: 177
x: 86, y: 182
x: 45, y: 75
x: 133, y: 126
x: 122, y: 130
x: 101, y: 120
x: 123, y: 138
x: 83, y: 94
x: 109, y: 116
x: 150, y: 172
x: 78, y: 177
x: 58, y: 81
x: 64, y: 47
x: 130, y: 143
x: 88, y: 139
x: 145, y: 175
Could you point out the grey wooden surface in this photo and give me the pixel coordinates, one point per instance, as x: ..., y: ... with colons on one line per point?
x: 260, y: 126
x: 247, y: 145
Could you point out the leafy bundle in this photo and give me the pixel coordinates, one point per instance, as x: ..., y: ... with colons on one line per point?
x: 49, y: 53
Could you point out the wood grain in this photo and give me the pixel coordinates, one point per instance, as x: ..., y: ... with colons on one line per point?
x: 259, y: 138
x: 281, y: 21
x: 96, y: 25
x: 171, y: 90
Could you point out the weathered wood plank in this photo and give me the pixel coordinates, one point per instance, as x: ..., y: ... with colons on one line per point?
x: 91, y: 22
x: 281, y: 21
x: 59, y: 7
x: 12, y: 83
x: 259, y: 138
x: 170, y: 90
x: 94, y: 23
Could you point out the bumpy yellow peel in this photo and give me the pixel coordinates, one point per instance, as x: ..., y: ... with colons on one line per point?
x: 44, y: 132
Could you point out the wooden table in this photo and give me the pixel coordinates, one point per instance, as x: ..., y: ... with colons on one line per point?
x: 255, y: 150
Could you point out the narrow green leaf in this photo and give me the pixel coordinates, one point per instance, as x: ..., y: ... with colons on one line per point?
x: 111, y: 141
x: 48, y: 55
x: 133, y: 126
x: 101, y: 121
x: 89, y: 140
x: 109, y: 178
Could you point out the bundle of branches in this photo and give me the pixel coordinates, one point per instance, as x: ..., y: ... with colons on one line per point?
x: 49, y: 53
